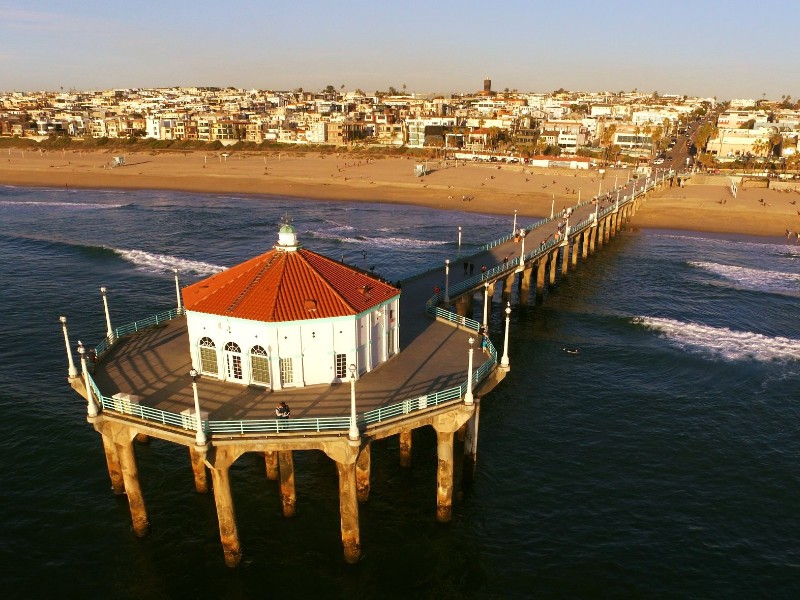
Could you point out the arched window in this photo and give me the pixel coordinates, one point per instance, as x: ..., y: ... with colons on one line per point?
x: 259, y: 365
x: 233, y: 361
x: 208, y: 357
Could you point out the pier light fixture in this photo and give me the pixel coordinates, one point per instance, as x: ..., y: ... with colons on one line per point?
x: 514, y: 227
x: 504, y: 364
x: 91, y: 407
x: 73, y: 372
x: 109, y: 331
x: 485, y: 307
x: 178, y: 291
x: 353, y: 433
x: 552, y: 207
x: 468, y: 398
x: 459, y: 241
x: 522, y: 234
x: 447, y: 280
x: 200, y: 435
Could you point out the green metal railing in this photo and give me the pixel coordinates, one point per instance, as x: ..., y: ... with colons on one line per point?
x: 135, y: 327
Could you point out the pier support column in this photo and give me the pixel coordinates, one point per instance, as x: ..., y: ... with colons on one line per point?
x: 601, y: 227
x: 405, y: 448
x: 471, y: 445
x: 576, y: 244
x: 508, y: 284
x: 593, y: 236
x: 114, y: 468
x: 223, y: 499
x: 607, y: 228
x: 565, y: 257
x: 198, y: 459
x: 363, y: 466
x: 553, y: 259
x: 288, y: 497
x: 271, y: 464
x: 525, y: 285
x: 348, y: 510
x: 464, y: 305
x: 444, y: 476
x: 587, y: 233
x: 541, y: 266
x: 123, y: 442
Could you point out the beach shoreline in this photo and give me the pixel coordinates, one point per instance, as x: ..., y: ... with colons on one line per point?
x: 469, y: 187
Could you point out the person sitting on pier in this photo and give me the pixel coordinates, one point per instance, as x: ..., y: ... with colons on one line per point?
x: 282, y: 411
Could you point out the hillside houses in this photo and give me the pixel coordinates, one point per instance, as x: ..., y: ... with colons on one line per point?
x: 571, y: 123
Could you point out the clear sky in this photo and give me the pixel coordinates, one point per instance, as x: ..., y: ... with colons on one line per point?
x: 723, y: 48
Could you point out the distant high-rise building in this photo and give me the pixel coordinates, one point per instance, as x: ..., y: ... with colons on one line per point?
x: 487, y: 86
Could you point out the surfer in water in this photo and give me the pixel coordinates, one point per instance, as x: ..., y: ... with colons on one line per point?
x: 571, y: 350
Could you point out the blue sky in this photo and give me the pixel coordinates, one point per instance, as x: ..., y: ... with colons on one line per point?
x: 717, y: 48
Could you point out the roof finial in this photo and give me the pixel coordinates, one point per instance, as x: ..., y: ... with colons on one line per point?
x: 287, y: 236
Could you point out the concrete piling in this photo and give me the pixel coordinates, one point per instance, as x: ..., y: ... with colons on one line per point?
x: 286, y: 468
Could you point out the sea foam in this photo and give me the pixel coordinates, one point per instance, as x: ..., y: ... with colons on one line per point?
x: 721, y: 342
x: 164, y: 263
x: 77, y: 205
x: 754, y: 279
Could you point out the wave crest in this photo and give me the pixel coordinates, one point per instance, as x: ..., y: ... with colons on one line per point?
x: 164, y: 263
x: 722, y: 342
x: 754, y: 279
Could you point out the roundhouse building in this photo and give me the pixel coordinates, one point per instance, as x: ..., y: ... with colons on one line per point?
x: 290, y: 318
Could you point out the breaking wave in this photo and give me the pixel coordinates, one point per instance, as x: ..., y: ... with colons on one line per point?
x: 721, y: 342
x: 163, y: 263
x: 754, y: 279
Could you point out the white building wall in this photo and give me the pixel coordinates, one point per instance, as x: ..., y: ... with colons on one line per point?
x: 312, y: 345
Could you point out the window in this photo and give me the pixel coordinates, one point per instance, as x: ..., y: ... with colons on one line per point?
x: 341, y: 366
x: 208, y: 357
x: 259, y: 365
x: 287, y: 371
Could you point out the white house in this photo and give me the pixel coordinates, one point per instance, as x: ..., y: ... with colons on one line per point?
x: 290, y: 318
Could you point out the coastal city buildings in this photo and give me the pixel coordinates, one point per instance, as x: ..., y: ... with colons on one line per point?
x: 508, y: 124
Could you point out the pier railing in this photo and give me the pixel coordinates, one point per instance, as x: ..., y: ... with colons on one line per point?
x: 266, y: 426
x: 136, y: 326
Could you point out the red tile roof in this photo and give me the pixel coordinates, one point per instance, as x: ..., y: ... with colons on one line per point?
x: 287, y: 286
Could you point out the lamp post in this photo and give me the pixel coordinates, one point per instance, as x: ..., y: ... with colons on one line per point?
x: 73, y: 372
x: 485, y: 307
x: 447, y: 280
x: 468, y: 398
x: 459, y: 241
x: 522, y: 234
x: 353, y: 433
x: 552, y: 206
x: 514, y: 226
x: 504, y: 364
x: 178, y: 291
x: 91, y: 407
x: 200, y: 436
x: 109, y: 331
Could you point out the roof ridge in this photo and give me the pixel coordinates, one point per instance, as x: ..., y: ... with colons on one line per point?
x: 331, y: 287
x: 236, y: 301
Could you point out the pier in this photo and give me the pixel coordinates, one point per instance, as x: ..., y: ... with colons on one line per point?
x: 139, y: 382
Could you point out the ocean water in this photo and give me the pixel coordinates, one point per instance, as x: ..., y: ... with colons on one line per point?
x: 660, y: 461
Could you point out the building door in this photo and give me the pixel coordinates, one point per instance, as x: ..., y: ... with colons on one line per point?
x: 233, y: 360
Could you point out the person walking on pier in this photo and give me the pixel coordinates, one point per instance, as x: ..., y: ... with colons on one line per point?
x: 282, y: 411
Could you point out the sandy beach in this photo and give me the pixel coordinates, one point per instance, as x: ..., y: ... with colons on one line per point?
x: 483, y: 188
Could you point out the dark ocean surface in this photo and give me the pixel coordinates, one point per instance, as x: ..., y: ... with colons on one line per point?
x: 662, y: 461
